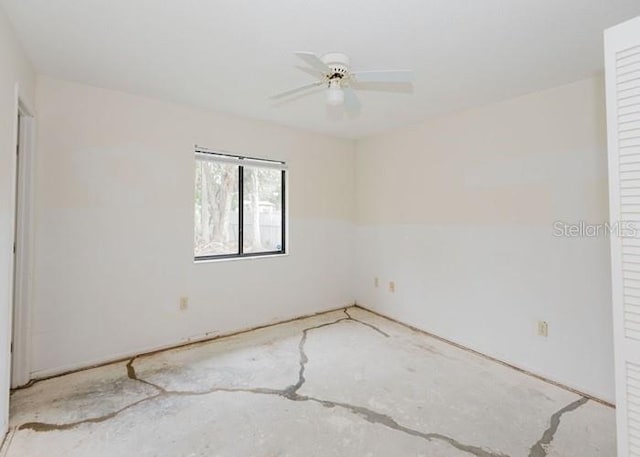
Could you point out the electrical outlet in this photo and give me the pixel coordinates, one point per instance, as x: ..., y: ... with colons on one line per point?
x: 392, y: 286
x: 376, y: 282
x: 184, y: 303
x: 543, y: 328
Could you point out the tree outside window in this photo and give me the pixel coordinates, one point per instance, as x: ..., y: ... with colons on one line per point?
x: 223, y: 227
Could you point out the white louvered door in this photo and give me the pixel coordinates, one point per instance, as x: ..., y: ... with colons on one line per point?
x: 622, y: 66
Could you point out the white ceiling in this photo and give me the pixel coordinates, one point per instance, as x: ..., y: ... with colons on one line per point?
x: 230, y: 55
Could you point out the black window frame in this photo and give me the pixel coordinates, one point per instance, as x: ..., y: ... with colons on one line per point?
x: 250, y: 162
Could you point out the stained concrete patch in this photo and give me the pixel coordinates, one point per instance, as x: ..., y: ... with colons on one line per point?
x: 345, y: 383
x: 77, y: 396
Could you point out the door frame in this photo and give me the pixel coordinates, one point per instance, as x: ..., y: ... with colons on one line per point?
x: 21, y: 268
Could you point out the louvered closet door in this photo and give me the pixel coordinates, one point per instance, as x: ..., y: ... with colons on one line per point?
x: 622, y: 64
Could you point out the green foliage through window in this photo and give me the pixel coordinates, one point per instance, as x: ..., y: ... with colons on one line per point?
x: 226, y: 228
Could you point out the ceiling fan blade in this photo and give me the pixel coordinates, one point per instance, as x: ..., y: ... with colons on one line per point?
x: 314, y: 61
x: 383, y: 76
x: 351, y: 101
x: 296, y: 90
x: 310, y: 71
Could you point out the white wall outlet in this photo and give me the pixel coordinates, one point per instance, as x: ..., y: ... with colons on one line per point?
x: 543, y: 328
x: 184, y: 303
x: 392, y: 286
x: 376, y: 282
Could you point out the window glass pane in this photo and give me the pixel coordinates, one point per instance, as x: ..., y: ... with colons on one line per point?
x: 262, y: 210
x: 216, y: 209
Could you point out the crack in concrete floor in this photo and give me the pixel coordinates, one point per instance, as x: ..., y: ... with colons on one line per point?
x: 539, y: 449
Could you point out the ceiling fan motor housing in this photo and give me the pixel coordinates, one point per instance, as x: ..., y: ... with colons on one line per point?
x: 338, y: 63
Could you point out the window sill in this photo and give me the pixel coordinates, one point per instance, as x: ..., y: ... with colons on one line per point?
x: 233, y: 259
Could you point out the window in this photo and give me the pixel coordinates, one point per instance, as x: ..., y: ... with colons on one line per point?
x: 239, y: 206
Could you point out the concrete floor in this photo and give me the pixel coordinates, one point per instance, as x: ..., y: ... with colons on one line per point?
x: 346, y: 383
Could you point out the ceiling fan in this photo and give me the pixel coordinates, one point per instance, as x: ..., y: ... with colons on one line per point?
x: 334, y: 71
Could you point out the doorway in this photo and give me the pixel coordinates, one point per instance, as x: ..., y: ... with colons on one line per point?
x: 22, y: 242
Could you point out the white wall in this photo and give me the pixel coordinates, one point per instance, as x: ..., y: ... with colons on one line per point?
x: 14, y: 68
x: 459, y: 211
x: 114, y: 237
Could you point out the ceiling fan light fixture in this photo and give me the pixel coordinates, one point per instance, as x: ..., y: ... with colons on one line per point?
x: 333, y: 71
x: 335, y: 94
